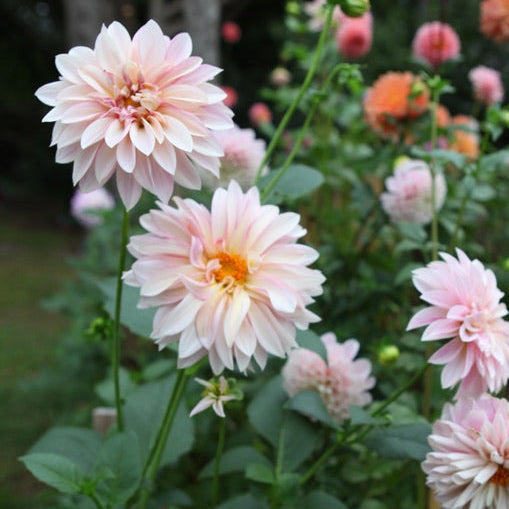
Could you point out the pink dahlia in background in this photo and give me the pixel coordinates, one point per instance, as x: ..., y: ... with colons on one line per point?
x: 232, y: 98
x: 436, y: 43
x: 259, y: 113
x: 280, y: 76
x: 465, y: 308
x: 487, y: 85
x: 342, y: 381
x: 408, y: 195
x: 495, y: 19
x: 243, y: 154
x: 231, y: 32
x: 315, y: 10
x: 354, y: 35
x: 469, y: 464
x: 83, y: 206
x: 139, y: 109
x: 230, y: 282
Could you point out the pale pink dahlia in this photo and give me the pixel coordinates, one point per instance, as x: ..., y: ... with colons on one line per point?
x: 469, y: 465
x: 139, y: 109
x: 84, y: 206
x: 408, y: 197
x: 243, y: 153
x: 354, y: 35
x: 341, y: 382
x: 436, y: 43
x: 464, y: 307
x: 230, y: 282
x: 487, y: 84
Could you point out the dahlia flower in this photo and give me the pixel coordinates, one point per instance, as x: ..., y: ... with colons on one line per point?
x: 408, y: 196
x: 465, y: 308
x: 232, y: 98
x: 465, y: 136
x: 340, y: 382
x: 436, y: 43
x: 495, y: 19
x: 230, y: 282
x: 83, y: 206
x: 315, y: 10
x: 280, y: 76
x: 354, y: 35
x: 487, y: 85
x: 394, y: 97
x: 243, y: 153
x: 139, y: 109
x: 231, y: 32
x: 215, y: 395
x: 259, y: 113
x: 469, y: 465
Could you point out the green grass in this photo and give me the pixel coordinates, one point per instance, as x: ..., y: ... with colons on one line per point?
x: 32, y: 267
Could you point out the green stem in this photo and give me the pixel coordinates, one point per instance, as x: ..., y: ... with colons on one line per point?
x: 320, y: 461
x: 219, y: 452
x: 305, y: 85
x: 115, y: 344
x: 154, y: 458
x: 95, y: 500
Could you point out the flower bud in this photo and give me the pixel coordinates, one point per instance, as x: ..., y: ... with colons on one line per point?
x: 354, y: 8
x: 388, y: 355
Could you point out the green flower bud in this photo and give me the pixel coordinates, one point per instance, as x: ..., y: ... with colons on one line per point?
x: 505, y: 264
x: 354, y: 8
x: 388, y: 355
x: 293, y: 8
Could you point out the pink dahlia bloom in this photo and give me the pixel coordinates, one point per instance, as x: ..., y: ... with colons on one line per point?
x: 408, y: 196
x: 487, y: 85
x: 231, y: 32
x: 469, y: 465
x: 436, y: 43
x: 232, y: 98
x: 83, y: 206
x: 354, y: 35
x: 231, y: 282
x: 243, y: 153
x: 340, y: 382
x: 495, y: 19
x: 464, y: 307
x: 259, y: 113
x: 139, y: 109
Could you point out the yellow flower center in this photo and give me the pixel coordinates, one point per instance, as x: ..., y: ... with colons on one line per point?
x: 500, y: 477
x: 233, y: 267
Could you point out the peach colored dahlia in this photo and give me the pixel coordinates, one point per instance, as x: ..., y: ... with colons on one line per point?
x: 436, y: 43
x: 465, y: 308
x: 487, y: 85
x: 495, y: 19
x: 340, y: 382
x: 468, y: 467
x: 230, y: 282
x: 140, y: 109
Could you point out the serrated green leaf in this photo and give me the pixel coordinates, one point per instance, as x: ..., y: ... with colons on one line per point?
x: 235, y: 460
x: 260, y: 472
x: 55, y: 470
x: 311, y: 405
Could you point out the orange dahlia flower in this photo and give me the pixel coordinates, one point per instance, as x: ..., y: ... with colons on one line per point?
x: 394, y: 98
x: 466, y: 137
x: 495, y: 19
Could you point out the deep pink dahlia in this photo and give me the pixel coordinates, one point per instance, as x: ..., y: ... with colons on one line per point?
x: 469, y: 465
x: 464, y: 307
x: 230, y: 282
x: 341, y: 382
x: 354, y: 35
x: 487, y: 84
x: 436, y: 43
x: 139, y: 109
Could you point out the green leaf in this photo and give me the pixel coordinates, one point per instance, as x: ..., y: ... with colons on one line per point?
x: 245, y: 502
x: 310, y: 340
x: 106, y: 389
x: 55, y: 470
x: 310, y: 404
x: 136, y: 320
x: 143, y: 412
x: 298, y: 430
x: 412, y: 231
x: 400, y: 441
x: 235, y: 460
x: 260, y: 472
x: 359, y: 416
x: 321, y: 500
x: 298, y: 180
x: 405, y: 273
x: 440, y: 155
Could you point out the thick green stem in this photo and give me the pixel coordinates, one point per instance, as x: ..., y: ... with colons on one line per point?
x: 96, y: 502
x: 154, y: 458
x: 115, y: 342
x: 219, y: 452
x: 305, y: 85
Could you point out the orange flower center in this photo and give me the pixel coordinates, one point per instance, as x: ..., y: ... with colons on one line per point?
x: 232, y: 267
x: 500, y: 477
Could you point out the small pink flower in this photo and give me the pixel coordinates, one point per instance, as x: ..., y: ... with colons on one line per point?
x: 341, y: 382
x: 436, y: 43
x: 230, y: 282
x: 354, y: 35
x: 464, y: 307
x: 231, y: 32
x: 408, y: 196
x: 259, y: 113
x: 83, y: 206
x: 487, y: 85
x: 216, y: 394
x: 280, y: 76
x: 315, y: 9
x: 232, y: 98
x: 139, y: 109
x: 243, y: 154
x: 469, y: 465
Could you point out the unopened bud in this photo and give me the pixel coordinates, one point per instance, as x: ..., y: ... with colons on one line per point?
x: 293, y: 8
x: 388, y: 355
x: 354, y: 8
